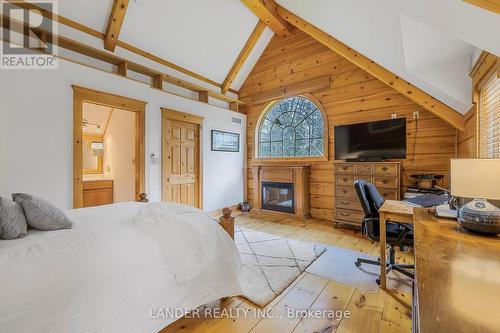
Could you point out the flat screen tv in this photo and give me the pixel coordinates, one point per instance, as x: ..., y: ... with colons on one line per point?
x: 384, y: 139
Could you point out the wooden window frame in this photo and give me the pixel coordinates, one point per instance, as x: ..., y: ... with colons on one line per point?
x: 493, y: 74
x: 81, y: 95
x: 262, y: 115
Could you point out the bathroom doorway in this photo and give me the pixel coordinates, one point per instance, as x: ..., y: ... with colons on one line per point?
x: 108, y: 148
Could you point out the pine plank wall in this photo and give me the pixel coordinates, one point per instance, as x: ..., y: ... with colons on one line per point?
x: 354, y: 96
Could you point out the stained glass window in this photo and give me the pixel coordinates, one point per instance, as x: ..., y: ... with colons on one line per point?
x: 292, y: 127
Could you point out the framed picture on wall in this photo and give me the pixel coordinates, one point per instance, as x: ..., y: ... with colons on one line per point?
x: 225, y: 141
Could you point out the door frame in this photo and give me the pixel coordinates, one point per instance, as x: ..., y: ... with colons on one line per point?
x: 81, y: 95
x: 188, y: 118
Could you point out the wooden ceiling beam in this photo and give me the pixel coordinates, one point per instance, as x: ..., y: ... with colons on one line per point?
x: 266, y: 12
x: 413, y: 93
x: 242, y: 57
x: 115, y: 22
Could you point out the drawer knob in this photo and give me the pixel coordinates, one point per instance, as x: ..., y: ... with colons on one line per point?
x: 344, y: 202
x: 344, y: 214
x: 384, y: 181
x: 384, y: 168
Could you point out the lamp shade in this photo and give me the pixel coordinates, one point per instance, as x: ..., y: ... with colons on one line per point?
x: 476, y: 178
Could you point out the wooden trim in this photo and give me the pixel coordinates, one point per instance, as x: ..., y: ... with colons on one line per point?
x: 189, y: 118
x: 81, y: 95
x: 123, y: 68
x: 478, y: 63
x: 85, y: 29
x: 182, y: 116
x: 489, y: 5
x: 404, y: 87
x: 266, y: 11
x: 115, y: 60
x: 158, y: 81
x: 115, y: 22
x: 203, y: 96
x: 234, y: 107
x: 242, y: 57
x: 323, y: 158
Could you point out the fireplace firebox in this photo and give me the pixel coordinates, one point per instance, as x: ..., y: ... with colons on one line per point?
x: 278, y: 197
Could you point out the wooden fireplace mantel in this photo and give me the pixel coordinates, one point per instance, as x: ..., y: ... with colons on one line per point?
x: 298, y: 175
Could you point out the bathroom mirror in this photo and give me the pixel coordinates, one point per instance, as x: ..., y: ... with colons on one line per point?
x: 93, y: 154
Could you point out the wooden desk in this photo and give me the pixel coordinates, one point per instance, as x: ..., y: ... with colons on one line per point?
x: 457, y: 281
x: 393, y: 211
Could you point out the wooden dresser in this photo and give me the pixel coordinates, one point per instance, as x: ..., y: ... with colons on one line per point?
x: 97, y: 192
x: 385, y: 175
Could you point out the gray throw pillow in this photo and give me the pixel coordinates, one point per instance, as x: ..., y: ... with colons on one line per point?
x: 41, y: 214
x: 12, y: 220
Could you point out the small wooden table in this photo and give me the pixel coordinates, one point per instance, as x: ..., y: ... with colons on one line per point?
x: 393, y: 211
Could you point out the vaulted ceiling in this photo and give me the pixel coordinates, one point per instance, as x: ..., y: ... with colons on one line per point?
x: 429, y: 43
x: 202, y: 36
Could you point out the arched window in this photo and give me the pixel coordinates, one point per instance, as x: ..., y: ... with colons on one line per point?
x: 292, y: 127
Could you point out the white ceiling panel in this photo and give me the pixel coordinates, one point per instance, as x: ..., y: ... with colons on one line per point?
x: 203, y: 36
x: 92, y: 13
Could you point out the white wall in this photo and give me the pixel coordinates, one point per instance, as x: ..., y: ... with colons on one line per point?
x: 119, y: 154
x: 36, y: 130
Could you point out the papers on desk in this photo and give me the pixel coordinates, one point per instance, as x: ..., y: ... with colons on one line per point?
x: 445, y: 212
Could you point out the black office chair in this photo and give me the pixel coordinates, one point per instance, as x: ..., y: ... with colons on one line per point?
x: 397, y: 234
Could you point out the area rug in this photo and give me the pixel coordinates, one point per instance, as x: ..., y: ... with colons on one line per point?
x: 271, y: 263
x: 337, y: 264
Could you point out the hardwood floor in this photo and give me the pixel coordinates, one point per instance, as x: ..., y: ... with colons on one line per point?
x: 384, y: 312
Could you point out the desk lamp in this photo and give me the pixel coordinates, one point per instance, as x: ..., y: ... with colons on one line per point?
x: 478, y: 179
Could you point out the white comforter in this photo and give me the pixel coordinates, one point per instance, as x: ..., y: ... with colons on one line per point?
x: 114, y: 269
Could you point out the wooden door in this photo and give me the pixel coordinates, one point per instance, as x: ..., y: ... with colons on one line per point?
x: 181, y: 161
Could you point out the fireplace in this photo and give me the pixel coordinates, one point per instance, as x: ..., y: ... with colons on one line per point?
x: 280, y: 188
x: 278, y: 197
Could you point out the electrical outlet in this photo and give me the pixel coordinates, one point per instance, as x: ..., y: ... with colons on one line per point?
x: 416, y: 115
x: 394, y: 116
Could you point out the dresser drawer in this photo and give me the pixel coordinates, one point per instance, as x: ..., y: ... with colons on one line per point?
x: 348, y: 203
x: 344, y: 168
x: 345, y: 180
x: 364, y: 168
x: 389, y: 194
x: 390, y: 182
x: 348, y: 215
x: 386, y: 169
x: 345, y: 191
x: 98, y: 185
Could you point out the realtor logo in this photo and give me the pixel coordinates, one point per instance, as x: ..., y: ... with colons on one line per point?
x: 28, y: 37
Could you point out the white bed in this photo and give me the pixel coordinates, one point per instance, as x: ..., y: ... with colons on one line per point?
x: 118, y: 265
